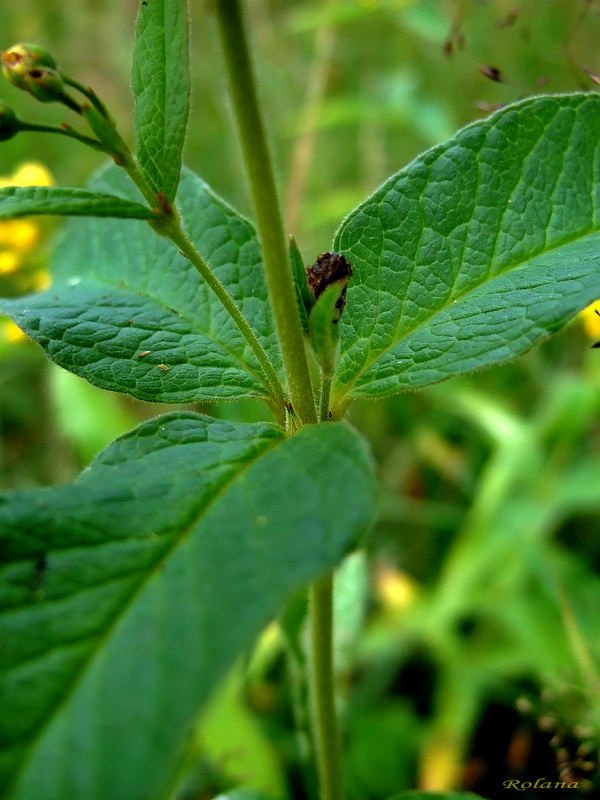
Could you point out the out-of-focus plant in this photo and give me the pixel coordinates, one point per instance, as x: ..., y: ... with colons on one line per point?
x: 21, y: 269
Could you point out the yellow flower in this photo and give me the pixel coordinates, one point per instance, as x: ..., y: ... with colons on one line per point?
x: 9, y: 262
x: 19, y: 237
x: 10, y: 333
x: 396, y: 590
x: 31, y: 173
x: 591, y: 320
x: 19, y: 234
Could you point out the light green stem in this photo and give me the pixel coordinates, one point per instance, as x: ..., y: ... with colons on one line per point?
x: 326, y: 732
x: 269, y: 218
x: 88, y: 92
x: 324, y: 399
x: 132, y: 169
x: 180, y: 239
x: 68, y: 131
x: 168, y: 225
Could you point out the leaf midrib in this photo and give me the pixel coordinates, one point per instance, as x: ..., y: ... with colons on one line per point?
x: 194, y: 326
x: 509, y: 268
x: 78, y: 674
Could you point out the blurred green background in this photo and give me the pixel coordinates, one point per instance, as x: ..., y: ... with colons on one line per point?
x: 468, y: 642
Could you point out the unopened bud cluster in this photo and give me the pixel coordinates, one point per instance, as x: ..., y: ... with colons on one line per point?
x: 34, y: 70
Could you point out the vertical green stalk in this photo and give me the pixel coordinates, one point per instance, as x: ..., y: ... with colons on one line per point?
x: 326, y: 731
x: 287, y: 319
x: 324, y: 399
x: 242, y: 86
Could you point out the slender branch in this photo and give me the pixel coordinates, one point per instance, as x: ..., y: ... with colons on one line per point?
x: 169, y: 226
x: 65, y: 131
x: 88, y: 92
x: 324, y: 399
x: 257, y: 157
x: 180, y: 239
x: 132, y: 169
x: 322, y: 685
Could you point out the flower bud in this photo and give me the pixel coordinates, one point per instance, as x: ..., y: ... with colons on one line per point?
x: 18, y: 60
x: 34, y: 70
x: 9, y: 124
x: 46, y: 85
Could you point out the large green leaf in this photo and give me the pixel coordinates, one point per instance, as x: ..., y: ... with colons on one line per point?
x: 125, y: 596
x: 476, y: 251
x: 160, y: 79
x: 23, y: 201
x: 129, y: 313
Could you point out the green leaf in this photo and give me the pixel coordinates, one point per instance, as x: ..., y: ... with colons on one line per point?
x: 127, y: 595
x: 160, y: 79
x: 476, y: 251
x: 324, y: 327
x: 24, y: 201
x: 304, y: 296
x: 129, y: 313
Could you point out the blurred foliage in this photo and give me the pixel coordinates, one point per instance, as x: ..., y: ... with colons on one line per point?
x: 468, y: 644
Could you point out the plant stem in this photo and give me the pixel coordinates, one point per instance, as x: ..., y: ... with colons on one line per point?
x: 169, y: 225
x: 326, y: 732
x: 68, y: 131
x: 132, y: 169
x: 88, y: 92
x: 287, y: 319
x: 181, y: 240
x: 269, y: 218
x: 324, y: 399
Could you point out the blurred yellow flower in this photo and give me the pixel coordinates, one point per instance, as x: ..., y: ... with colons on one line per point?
x: 591, y: 320
x: 18, y: 239
x: 396, y: 590
x: 29, y: 174
x: 9, y: 262
x: 19, y: 234
x: 10, y: 333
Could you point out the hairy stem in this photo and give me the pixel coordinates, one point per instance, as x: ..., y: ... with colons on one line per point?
x: 287, y: 319
x: 88, y: 92
x: 168, y: 225
x: 66, y: 131
x: 269, y: 218
x: 180, y: 239
x: 324, y: 399
x: 326, y: 732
